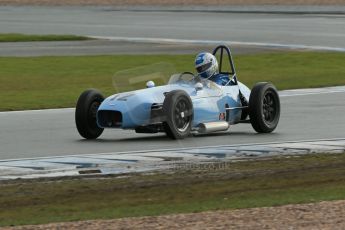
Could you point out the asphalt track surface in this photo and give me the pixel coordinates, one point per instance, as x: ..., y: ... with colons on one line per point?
x: 304, y: 116
x: 300, y: 29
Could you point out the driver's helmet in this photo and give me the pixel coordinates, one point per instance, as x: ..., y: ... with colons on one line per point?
x: 206, y: 65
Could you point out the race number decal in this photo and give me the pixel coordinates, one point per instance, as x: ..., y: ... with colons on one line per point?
x: 222, y: 116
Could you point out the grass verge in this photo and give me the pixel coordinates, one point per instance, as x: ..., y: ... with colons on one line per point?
x: 13, y: 37
x: 269, y: 182
x: 54, y: 82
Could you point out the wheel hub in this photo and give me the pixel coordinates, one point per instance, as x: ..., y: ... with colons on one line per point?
x: 269, y: 107
x: 181, y: 120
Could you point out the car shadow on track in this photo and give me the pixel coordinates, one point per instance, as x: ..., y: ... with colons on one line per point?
x: 130, y: 139
x: 164, y: 138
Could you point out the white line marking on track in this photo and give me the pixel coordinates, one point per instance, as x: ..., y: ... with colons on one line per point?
x: 215, y: 42
x: 39, y: 110
x: 311, y: 91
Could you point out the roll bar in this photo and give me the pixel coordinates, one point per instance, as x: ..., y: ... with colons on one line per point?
x: 232, y: 71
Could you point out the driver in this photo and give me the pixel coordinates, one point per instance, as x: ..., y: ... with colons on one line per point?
x: 206, y: 65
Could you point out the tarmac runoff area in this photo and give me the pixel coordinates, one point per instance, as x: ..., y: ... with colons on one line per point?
x: 323, y: 31
x: 31, y: 148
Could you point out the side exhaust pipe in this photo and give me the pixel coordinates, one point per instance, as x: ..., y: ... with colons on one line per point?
x: 210, y: 127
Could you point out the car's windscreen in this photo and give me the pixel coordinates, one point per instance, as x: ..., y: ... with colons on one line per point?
x: 136, y: 78
x: 182, y: 78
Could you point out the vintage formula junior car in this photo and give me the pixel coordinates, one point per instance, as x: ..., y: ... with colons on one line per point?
x: 187, y: 104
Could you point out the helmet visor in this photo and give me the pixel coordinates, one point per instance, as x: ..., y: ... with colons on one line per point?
x: 203, y: 68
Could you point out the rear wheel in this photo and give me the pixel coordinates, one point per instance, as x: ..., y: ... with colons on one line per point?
x: 178, y: 109
x: 264, y: 107
x: 85, y: 114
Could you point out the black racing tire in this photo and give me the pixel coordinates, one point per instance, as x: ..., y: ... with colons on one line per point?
x: 178, y: 111
x: 85, y: 114
x: 264, y: 107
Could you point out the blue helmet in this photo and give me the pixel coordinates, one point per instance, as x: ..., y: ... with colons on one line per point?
x: 206, y: 65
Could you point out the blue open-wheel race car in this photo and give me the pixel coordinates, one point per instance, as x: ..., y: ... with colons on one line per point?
x: 187, y: 104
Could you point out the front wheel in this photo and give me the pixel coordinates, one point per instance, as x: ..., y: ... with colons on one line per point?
x: 264, y: 107
x: 178, y: 109
x: 85, y: 114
